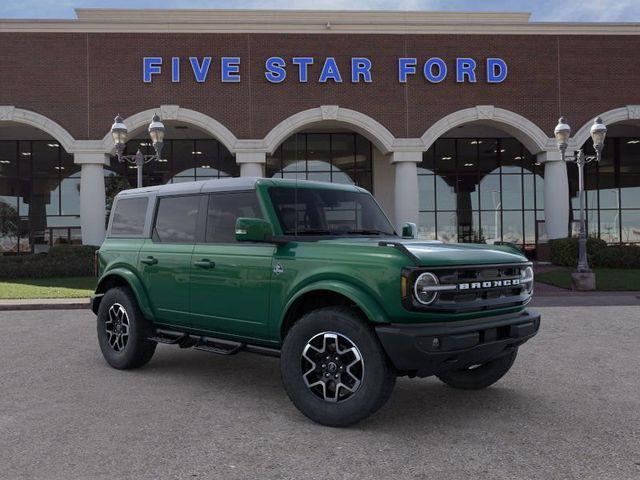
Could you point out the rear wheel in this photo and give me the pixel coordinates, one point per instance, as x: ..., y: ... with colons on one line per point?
x: 123, y: 331
x: 334, y: 368
x: 477, y: 377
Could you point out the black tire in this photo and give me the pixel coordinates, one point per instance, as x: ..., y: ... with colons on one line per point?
x: 377, y: 375
x: 476, y: 378
x: 124, y: 353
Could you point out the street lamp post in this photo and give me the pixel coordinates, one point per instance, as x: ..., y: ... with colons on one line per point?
x: 562, y: 133
x: 119, y: 133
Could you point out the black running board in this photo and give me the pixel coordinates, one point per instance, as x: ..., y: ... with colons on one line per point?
x: 219, y: 346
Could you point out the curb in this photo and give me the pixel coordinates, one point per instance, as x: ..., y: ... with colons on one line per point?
x: 45, y: 304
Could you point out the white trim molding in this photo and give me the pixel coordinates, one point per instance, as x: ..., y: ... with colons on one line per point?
x: 177, y: 113
x: 10, y: 113
x: 531, y: 136
x: 363, y: 124
x: 310, y: 21
x: 629, y: 112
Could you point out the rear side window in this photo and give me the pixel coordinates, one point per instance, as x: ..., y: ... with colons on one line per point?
x: 176, y: 219
x: 224, y: 209
x: 129, y: 215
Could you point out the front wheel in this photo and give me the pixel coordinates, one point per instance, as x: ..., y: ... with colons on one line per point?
x: 477, y: 377
x: 334, y: 369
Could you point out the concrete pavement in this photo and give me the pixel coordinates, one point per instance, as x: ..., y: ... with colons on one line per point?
x: 569, y: 408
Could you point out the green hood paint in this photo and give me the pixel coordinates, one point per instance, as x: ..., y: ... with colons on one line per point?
x: 435, y: 254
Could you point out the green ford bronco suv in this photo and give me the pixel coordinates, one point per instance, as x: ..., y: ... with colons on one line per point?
x: 313, y: 273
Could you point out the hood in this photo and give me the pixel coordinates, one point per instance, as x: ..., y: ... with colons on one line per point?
x: 434, y: 253
x: 437, y: 254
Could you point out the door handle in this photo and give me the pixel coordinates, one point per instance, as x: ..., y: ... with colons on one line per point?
x: 149, y: 260
x: 204, y: 263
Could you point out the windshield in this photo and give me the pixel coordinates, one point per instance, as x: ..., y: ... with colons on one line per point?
x: 318, y: 211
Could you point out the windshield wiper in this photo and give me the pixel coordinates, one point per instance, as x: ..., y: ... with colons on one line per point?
x: 314, y: 231
x: 368, y: 232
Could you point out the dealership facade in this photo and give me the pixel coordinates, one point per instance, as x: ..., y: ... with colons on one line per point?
x: 447, y: 118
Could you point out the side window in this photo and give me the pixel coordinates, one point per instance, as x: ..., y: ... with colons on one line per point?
x: 176, y: 219
x: 224, y: 209
x: 128, y: 216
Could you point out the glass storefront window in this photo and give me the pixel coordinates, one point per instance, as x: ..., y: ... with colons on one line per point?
x: 480, y: 190
x: 40, y: 185
x: 182, y: 161
x: 612, y: 189
x: 325, y: 157
x: 39, y: 195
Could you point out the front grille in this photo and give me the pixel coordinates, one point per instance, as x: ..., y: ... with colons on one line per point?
x: 475, y: 288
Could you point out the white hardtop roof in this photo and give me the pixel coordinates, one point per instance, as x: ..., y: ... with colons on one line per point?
x: 226, y: 185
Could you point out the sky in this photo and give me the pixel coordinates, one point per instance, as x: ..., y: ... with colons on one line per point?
x: 542, y: 10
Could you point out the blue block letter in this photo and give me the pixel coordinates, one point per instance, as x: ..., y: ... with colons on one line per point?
x: 496, y: 70
x: 200, y: 71
x: 303, y: 66
x: 330, y: 71
x: 230, y: 70
x: 406, y: 66
x: 150, y: 66
x: 360, y: 67
x: 428, y: 70
x: 175, y: 69
x: 275, y: 69
x: 465, y: 67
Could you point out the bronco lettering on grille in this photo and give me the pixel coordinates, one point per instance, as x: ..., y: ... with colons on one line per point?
x: 507, y: 282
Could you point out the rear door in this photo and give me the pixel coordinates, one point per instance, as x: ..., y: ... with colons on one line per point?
x: 229, y: 280
x: 165, y: 258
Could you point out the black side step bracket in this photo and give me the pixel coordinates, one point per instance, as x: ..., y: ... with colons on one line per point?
x: 218, y: 346
x: 169, y: 337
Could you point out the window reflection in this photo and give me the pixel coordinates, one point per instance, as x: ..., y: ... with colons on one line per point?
x: 326, y: 157
x: 39, y: 196
x: 612, y: 188
x: 480, y: 190
x: 182, y: 161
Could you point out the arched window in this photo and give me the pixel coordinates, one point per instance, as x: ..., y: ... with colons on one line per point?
x: 326, y: 157
x: 480, y: 190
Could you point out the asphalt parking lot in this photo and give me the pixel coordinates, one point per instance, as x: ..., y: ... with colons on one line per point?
x: 569, y: 408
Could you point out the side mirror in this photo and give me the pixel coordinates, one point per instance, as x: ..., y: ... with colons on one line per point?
x: 253, y: 230
x: 409, y: 230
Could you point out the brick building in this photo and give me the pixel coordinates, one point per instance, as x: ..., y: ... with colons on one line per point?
x: 447, y: 118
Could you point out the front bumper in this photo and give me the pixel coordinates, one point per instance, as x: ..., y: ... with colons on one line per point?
x: 427, y: 349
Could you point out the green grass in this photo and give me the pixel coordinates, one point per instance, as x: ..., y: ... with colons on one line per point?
x: 607, y: 279
x: 71, y: 287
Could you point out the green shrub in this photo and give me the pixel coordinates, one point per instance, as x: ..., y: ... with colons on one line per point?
x: 564, y: 251
x: 618, y: 256
x: 61, y: 261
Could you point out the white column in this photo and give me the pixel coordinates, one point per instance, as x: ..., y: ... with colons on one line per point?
x: 92, y: 196
x: 556, y: 194
x: 251, y: 163
x: 406, y: 187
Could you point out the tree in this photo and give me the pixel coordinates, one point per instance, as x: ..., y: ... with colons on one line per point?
x: 9, y: 221
x: 113, y: 185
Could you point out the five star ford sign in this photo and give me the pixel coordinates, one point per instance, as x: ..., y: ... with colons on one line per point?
x: 361, y: 69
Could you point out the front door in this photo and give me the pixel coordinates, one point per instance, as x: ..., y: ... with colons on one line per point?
x: 230, y: 281
x: 165, y: 259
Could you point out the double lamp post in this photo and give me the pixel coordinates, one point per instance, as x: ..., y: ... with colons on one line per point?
x: 119, y: 133
x: 562, y: 133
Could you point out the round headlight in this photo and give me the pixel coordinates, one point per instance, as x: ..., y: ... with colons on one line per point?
x: 423, y: 288
x: 526, y: 279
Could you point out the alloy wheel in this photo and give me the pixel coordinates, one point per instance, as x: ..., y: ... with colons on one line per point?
x: 332, y: 366
x: 117, y: 327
